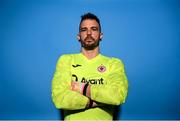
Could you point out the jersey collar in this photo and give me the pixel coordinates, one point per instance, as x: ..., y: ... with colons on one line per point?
x: 90, y: 60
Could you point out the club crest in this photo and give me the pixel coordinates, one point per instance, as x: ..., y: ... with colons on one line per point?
x: 101, y: 68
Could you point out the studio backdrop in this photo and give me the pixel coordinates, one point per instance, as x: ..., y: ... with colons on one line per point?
x: 144, y: 34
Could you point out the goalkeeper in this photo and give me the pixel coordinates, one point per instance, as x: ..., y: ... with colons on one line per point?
x: 88, y: 85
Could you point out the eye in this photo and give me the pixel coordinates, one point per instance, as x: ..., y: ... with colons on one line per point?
x: 83, y: 29
x: 94, y: 28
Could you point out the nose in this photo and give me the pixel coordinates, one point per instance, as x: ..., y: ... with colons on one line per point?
x: 89, y: 32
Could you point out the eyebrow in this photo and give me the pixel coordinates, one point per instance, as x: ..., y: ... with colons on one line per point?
x: 90, y: 27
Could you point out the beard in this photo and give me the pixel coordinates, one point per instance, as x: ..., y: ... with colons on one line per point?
x: 89, y: 43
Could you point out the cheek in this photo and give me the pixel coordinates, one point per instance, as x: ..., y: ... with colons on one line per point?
x: 96, y: 35
x: 82, y: 36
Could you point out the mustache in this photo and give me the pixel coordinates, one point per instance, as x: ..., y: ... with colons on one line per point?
x: 89, y: 37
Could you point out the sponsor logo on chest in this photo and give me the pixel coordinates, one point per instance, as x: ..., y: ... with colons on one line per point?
x: 85, y: 79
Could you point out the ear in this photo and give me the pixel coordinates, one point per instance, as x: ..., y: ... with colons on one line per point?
x: 78, y: 37
x: 101, y: 36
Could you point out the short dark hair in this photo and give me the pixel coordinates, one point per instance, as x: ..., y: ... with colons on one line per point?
x: 90, y: 16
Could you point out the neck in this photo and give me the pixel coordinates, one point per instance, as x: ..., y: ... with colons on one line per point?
x: 90, y: 53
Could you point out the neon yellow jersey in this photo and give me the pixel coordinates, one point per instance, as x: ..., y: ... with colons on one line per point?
x: 109, y: 86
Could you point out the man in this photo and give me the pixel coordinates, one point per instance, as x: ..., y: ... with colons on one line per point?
x: 88, y: 85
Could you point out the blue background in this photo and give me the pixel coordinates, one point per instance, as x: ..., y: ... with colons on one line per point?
x: 145, y: 34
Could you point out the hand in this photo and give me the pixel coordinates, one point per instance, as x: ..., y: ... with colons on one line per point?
x: 77, y: 86
x: 94, y: 104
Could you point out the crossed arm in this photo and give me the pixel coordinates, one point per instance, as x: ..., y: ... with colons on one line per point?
x: 73, y: 95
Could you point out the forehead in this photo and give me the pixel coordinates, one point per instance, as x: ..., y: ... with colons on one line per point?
x: 89, y: 23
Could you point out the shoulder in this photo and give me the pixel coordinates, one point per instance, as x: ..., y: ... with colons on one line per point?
x: 112, y: 60
x: 116, y: 60
x: 67, y: 57
x: 114, y: 63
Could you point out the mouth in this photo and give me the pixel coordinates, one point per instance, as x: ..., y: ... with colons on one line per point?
x: 89, y: 39
x: 88, y: 42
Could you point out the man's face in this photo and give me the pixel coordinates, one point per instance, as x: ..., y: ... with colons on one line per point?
x: 89, y: 34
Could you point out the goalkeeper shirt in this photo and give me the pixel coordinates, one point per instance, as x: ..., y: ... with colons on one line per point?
x: 108, y: 82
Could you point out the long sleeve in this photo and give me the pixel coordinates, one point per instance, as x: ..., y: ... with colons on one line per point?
x: 115, y: 91
x: 62, y: 96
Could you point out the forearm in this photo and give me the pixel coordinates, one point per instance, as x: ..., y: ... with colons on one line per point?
x: 113, y: 94
x: 83, y: 89
x: 62, y: 95
x: 67, y: 99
